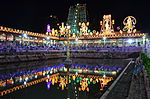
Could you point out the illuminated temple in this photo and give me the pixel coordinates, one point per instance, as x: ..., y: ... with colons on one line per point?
x: 82, y: 63
x: 79, y: 33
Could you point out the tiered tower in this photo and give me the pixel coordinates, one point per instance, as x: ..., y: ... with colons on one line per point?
x: 77, y: 13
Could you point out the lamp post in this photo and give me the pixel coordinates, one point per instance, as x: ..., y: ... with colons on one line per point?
x: 68, y: 42
x: 68, y: 61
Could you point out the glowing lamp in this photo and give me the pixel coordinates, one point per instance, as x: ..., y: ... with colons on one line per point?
x: 104, y: 38
x: 35, y: 76
x: 144, y: 37
x: 114, y: 73
x: 68, y: 27
x: 130, y: 41
x: 25, y: 83
x: 25, y: 35
x: 47, y: 38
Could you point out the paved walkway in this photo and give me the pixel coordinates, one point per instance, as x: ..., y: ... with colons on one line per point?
x: 121, y: 89
x: 137, y: 88
x: 129, y: 87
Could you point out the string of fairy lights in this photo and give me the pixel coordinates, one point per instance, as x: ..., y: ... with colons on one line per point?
x: 107, y: 31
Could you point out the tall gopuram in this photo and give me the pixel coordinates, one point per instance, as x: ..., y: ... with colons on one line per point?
x: 77, y: 14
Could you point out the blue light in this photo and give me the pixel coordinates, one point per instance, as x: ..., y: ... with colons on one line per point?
x: 24, y: 35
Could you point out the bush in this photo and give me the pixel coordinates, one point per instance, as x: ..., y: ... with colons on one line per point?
x: 146, y: 62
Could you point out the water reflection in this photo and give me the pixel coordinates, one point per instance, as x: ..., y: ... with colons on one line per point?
x: 52, y: 72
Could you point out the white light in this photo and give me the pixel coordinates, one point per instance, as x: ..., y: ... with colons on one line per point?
x: 104, y: 75
x: 76, y: 73
x: 51, y: 72
x: 25, y: 83
x: 75, y: 87
x: 35, y: 76
x: 26, y: 79
x: 68, y: 27
x: 104, y: 38
x: 47, y: 38
x: 20, y: 80
x: 48, y: 76
x: 44, y: 74
x: 114, y: 73
x: 25, y: 35
x: 76, y: 39
x: 143, y: 37
x: 130, y: 41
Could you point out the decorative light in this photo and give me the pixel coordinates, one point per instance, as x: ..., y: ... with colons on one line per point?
x: 129, y: 23
x: 24, y: 35
x: 130, y: 41
x: 49, y: 84
x: 68, y: 27
x: 144, y: 37
x: 24, y: 82
x: 47, y: 38
x: 35, y: 76
x: 48, y: 76
x: 104, y: 38
x: 48, y: 28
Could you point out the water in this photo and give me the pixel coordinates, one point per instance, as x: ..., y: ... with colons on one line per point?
x: 40, y: 91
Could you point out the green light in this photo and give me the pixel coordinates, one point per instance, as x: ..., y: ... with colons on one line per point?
x: 77, y: 81
x: 60, y: 69
x: 89, y: 30
x: 101, y: 72
x: 80, y: 78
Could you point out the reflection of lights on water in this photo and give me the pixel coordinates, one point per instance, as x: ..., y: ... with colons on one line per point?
x: 114, y: 73
x: 51, y: 72
x: 20, y: 79
x: 65, y: 69
x: 25, y: 83
x: 44, y: 74
x: 26, y: 79
x: 35, y: 76
x: 48, y: 76
x: 76, y: 73
x: 77, y: 69
x: 48, y: 85
x: 104, y: 76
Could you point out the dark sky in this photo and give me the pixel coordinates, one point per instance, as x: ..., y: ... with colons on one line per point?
x: 33, y: 15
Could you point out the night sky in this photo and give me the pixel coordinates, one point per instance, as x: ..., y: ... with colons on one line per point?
x: 34, y: 15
